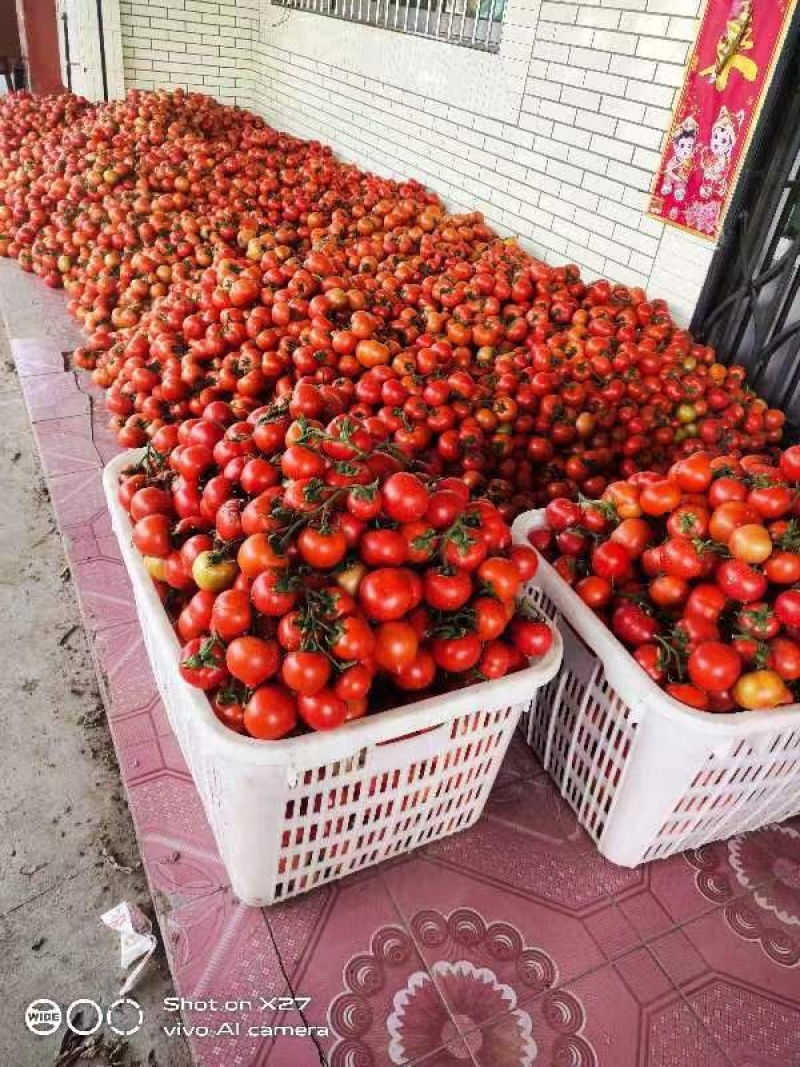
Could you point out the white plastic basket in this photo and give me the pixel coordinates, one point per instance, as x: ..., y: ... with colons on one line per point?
x: 646, y: 775
x: 291, y: 815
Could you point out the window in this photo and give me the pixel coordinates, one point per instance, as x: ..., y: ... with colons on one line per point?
x: 471, y: 23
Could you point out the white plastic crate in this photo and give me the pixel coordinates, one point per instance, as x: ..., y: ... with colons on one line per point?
x: 293, y: 814
x: 646, y: 775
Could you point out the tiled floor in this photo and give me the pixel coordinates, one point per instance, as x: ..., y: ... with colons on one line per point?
x: 510, y: 945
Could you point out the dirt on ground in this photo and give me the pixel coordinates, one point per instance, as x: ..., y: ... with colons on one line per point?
x: 68, y: 851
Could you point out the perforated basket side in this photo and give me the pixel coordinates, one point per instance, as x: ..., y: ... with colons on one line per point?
x: 739, y: 787
x: 581, y: 729
x: 349, y: 815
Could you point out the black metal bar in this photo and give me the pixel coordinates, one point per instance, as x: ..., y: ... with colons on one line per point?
x: 786, y: 385
x: 65, y: 20
x: 101, y: 35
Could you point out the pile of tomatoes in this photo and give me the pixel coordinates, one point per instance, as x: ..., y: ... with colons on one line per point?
x: 346, y: 393
x: 697, y: 573
x: 211, y: 258
x: 312, y: 578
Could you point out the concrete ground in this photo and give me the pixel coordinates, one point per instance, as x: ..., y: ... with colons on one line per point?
x: 67, y: 846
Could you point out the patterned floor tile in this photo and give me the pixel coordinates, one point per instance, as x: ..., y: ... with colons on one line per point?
x: 520, y: 762
x: 671, y: 892
x: 526, y: 944
x: 739, y: 970
x: 347, y: 948
x: 622, y: 1015
x: 530, y: 842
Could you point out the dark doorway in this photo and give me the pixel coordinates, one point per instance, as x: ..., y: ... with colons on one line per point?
x: 750, y: 305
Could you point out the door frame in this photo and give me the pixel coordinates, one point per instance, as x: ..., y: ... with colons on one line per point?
x: 100, y: 19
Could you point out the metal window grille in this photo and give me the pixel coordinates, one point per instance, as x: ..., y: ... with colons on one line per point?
x: 470, y: 23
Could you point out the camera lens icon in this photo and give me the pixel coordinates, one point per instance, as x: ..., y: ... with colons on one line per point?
x: 43, y: 1017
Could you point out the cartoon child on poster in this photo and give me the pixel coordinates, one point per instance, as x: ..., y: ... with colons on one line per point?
x: 678, y: 168
x: 716, y: 157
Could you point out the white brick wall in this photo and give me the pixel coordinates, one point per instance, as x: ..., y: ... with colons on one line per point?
x: 555, y: 138
x: 193, y: 44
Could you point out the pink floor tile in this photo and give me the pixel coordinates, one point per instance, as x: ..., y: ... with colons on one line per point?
x: 600, y: 1020
x: 359, y: 964
x: 529, y: 944
x: 77, y: 498
x: 33, y: 357
x: 54, y: 396
x: 671, y: 892
x: 66, y: 446
x: 530, y: 841
x: 745, y: 938
x: 739, y: 973
x: 520, y: 762
x: 106, y: 595
x: 122, y: 656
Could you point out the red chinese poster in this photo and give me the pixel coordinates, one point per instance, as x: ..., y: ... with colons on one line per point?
x: 726, y: 82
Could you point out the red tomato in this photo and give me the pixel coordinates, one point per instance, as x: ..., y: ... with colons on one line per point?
x: 689, y: 694
x: 634, y: 535
x: 611, y: 561
x: 659, y: 498
x: 500, y: 576
x: 354, y: 640
x: 322, y: 710
x: 633, y: 625
x: 353, y: 683
x: 384, y: 594
x: 680, y: 557
x: 270, y: 713
x: 526, y: 560
x: 419, y: 674
x: 456, y: 654
x: 739, y: 581
x: 405, y: 498
x: 383, y: 548
x: 396, y: 646
x: 729, y: 516
x: 706, y: 601
x: 152, y: 535
x: 784, y: 658
x: 650, y: 659
x: 783, y: 568
x: 231, y: 616
x: 446, y: 588
x: 531, y: 637
x: 561, y: 514
x: 256, y: 554
x: 321, y: 549
x: 274, y: 592
x: 714, y: 666
x: 252, y: 660
x: 305, y: 672
x: 771, y: 502
x: 202, y: 663
x: 787, y: 608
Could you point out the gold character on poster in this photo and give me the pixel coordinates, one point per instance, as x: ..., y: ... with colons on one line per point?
x: 736, y: 39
